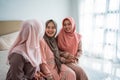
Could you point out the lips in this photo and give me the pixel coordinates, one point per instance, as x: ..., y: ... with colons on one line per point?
x: 67, y: 29
x: 50, y: 32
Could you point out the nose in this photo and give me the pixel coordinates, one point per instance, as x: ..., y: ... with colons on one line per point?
x: 50, y: 29
x: 67, y: 25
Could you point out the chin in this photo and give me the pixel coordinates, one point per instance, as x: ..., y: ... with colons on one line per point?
x: 67, y: 31
x: 50, y: 35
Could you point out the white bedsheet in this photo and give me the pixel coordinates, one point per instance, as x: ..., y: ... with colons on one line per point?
x: 3, y: 64
x: 7, y: 40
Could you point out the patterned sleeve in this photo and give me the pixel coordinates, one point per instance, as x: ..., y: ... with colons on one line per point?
x: 79, y: 52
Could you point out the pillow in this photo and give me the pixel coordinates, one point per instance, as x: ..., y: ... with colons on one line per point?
x: 7, y: 40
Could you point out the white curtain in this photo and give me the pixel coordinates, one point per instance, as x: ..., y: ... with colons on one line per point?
x: 100, y: 28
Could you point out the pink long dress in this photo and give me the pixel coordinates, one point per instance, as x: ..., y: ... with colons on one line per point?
x: 48, y: 58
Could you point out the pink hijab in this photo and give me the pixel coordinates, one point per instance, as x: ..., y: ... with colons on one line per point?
x: 69, y: 41
x: 27, y: 42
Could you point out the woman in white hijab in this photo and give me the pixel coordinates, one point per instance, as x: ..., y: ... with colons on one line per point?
x: 24, y: 56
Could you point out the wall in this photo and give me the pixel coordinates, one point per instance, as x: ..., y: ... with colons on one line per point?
x: 39, y: 9
x: 7, y: 27
x: 74, y: 9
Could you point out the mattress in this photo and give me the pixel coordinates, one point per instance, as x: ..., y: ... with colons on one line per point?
x: 8, y: 33
x: 7, y: 40
x: 3, y: 64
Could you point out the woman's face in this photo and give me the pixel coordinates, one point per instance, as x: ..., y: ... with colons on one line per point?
x: 67, y: 25
x: 50, y: 29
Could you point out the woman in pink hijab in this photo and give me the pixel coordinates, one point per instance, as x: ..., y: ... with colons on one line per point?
x: 51, y: 55
x: 25, y: 57
x: 69, y: 42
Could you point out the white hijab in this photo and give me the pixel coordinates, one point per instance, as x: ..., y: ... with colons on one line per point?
x: 27, y: 42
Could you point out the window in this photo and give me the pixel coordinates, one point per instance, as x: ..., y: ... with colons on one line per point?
x: 100, y: 27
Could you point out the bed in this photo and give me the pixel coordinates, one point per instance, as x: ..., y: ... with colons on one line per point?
x: 3, y: 64
x: 8, y: 33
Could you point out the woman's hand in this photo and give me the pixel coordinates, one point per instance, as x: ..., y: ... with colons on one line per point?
x: 64, y: 54
x: 68, y: 58
x: 50, y: 78
x: 38, y: 75
x: 71, y: 58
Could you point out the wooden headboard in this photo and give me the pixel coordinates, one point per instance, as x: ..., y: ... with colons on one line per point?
x: 10, y: 26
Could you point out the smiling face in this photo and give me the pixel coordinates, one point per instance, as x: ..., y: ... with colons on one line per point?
x: 50, y: 29
x: 67, y: 25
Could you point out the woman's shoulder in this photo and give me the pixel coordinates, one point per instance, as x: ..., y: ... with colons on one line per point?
x: 17, y: 57
x: 78, y: 35
x: 42, y: 42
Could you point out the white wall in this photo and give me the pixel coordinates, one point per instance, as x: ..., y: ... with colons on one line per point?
x: 39, y: 9
x: 74, y: 9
